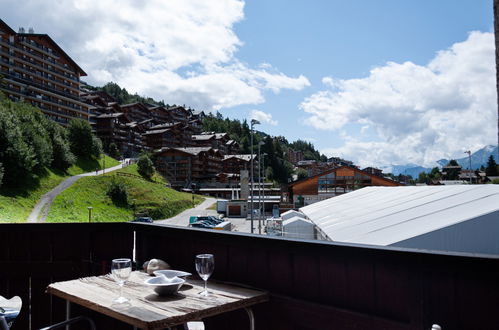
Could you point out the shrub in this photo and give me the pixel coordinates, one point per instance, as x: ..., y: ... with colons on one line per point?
x: 118, y: 192
x: 495, y: 181
x: 83, y: 143
x: 113, y: 151
x: 145, y: 166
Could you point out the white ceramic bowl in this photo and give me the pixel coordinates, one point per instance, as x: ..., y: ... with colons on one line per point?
x: 170, y: 273
x: 164, y: 286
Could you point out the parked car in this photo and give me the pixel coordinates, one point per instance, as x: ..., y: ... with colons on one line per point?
x: 202, y: 224
x: 210, y: 218
x: 143, y: 219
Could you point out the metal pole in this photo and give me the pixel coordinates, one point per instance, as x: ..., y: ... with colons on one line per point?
x: 259, y: 193
x: 251, y: 195
x: 89, y: 214
x: 469, y: 156
x: 263, y: 188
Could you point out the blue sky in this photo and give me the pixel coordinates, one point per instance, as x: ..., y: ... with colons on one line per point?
x: 377, y: 82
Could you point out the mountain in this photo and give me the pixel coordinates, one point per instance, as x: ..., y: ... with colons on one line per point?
x: 408, y: 169
x: 478, y: 158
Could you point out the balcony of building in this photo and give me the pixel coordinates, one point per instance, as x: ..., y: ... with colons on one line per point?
x: 312, y: 284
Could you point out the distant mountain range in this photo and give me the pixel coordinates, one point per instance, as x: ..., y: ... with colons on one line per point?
x: 478, y: 158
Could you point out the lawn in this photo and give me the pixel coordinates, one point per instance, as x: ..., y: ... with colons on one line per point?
x: 154, y: 199
x: 16, y: 204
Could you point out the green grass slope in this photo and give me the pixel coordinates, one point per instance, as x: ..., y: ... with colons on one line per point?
x: 153, y: 198
x: 16, y: 204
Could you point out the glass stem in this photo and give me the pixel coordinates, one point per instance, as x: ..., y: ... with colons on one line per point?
x: 205, y: 286
x: 121, y: 290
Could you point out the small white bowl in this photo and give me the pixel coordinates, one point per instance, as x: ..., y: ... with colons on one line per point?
x: 164, y: 286
x: 170, y: 273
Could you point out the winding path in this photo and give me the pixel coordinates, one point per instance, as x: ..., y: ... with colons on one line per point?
x: 41, y: 209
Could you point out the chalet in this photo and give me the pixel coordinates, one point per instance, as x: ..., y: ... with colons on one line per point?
x: 331, y: 183
x: 183, y: 166
x: 211, y: 139
x: 179, y: 114
x: 160, y: 114
x: 294, y: 156
x: 373, y: 171
x: 136, y: 111
x: 232, y: 147
x: 236, y: 163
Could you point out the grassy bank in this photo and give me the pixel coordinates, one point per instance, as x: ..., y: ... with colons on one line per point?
x: 17, y: 203
x: 153, y: 198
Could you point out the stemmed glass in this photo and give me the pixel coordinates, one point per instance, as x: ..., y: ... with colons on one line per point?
x: 205, y: 264
x: 121, y: 270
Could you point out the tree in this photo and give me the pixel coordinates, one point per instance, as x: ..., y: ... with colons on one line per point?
x: 113, y: 151
x: 452, y: 170
x: 145, y: 166
x: 301, y: 174
x: 82, y: 141
x: 62, y: 157
x: 16, y: 155
x: 491, y: 169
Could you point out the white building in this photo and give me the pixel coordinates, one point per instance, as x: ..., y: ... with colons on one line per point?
x: 462, y: 218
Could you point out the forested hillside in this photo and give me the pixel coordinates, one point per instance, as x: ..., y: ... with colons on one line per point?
x: 277, y: 168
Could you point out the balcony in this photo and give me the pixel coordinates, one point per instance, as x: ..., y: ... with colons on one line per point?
x: 312, y: 284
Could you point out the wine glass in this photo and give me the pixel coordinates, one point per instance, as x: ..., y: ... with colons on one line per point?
x: 205, y: 264
x: 121, y: 270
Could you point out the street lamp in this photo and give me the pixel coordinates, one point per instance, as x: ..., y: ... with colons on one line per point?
x: 253, y: 123
x: 262, y: 175
x: 89, y: 213
x: 259, y: 189
x: 469, y: 156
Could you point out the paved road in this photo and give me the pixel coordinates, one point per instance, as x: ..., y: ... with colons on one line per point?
x: 182, y: 219
x: 41, y: 209
x: 239, y: 224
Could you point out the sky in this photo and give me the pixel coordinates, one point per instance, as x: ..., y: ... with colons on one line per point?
x: 380, y: 83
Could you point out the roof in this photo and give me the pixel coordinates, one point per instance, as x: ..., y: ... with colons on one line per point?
x: 246, y: 157
x: 387, y: 215
x: 192, y: 151
x: 56, y: 47
x: 334, y: 169
x: 157, y: 131
x: 110, y: 115
x: 203, y: 137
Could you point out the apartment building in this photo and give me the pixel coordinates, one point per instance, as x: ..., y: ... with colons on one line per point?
x: 183, y: 166
x: 36, y: 70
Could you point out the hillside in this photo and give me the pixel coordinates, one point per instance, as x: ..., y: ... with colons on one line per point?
x: 151, y: 198
x: 17, y: 203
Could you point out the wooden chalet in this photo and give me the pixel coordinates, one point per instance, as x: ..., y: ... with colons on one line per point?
x: 232, y: 147
x: 179, y: 114
x: 211, y: 139
x: 161, y: 114
x: 184, y: 166
x: 331, y: 183
x: 136, y: 111
x: 236, y: 163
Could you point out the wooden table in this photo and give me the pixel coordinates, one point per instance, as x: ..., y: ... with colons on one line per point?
x: 147, y: 310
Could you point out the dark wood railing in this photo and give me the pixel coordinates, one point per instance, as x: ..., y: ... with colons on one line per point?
x: 313, y: 285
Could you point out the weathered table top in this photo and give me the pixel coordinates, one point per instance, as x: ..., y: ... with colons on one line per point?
x: 147, y: 310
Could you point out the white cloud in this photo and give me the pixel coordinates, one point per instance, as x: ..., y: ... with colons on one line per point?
x: 263, y: 117
x: 420, y: 113
x: 181, y: 51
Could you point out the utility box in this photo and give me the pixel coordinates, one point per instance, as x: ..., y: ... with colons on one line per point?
x: 222, y: 206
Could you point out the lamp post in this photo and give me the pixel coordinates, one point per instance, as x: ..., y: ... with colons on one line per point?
x: 253, y: 123
x: 89, y: 213
x: 469, y: 156
x: 259, y: 189
x: 262, y: 175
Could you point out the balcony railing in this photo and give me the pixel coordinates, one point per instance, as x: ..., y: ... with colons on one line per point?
x: 312, y: 284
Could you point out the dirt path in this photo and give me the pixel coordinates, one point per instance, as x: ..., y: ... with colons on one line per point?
x: 41, y: 209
